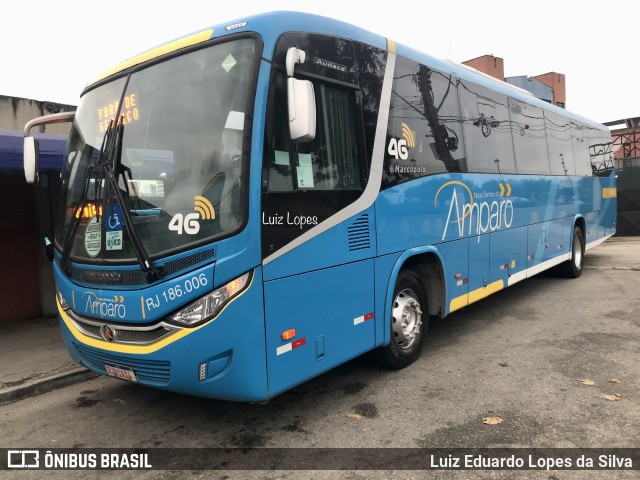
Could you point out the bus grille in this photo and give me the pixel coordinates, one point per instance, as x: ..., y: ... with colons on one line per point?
x: 152, y: 372
x: 136, y: 276
x: 121, y: 334
x: 359, y: 234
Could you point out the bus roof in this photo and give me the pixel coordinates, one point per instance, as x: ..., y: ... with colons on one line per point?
x: 273, y: 24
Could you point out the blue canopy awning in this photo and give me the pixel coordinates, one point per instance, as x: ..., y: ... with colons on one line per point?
x: 53, y: 149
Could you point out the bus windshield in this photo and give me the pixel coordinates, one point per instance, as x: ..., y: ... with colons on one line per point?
x: 180, y: 164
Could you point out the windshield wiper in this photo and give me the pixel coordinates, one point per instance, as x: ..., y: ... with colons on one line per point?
x: 103, y: 171
x: 112, y: 171
x: 76, y: 215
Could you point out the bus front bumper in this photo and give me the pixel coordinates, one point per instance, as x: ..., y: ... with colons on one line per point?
x: 224, y: 358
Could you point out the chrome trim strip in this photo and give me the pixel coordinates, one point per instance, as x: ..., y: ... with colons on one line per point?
x: 80, y: 322
x: 62, y: 117
x: 375, y: 177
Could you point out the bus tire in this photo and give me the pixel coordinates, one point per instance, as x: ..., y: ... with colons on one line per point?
x: 573, y: 268
x: 409, y: 323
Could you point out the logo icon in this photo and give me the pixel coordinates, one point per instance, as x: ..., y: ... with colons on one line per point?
x: 408, y: 136
x: 23, y: 459
x: 108, y: 333
x: 203, y: 206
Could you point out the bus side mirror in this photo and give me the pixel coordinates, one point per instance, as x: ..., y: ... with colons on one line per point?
x: 31, y: 160
x: 301, y: 101
x: 31, y: 152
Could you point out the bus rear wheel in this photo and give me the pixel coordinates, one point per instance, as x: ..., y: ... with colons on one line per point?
x: 409, y: 323
x: 573, y: 268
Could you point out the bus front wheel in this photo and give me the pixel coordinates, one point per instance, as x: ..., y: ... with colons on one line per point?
x: 573, y: 268
x: 409, y: 322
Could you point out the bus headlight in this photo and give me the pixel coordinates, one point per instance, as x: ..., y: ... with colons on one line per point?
x: 211, y: 304
x: 63, y: 303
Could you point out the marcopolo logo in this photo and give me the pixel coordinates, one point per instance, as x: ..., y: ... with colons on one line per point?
x: 475, y: 212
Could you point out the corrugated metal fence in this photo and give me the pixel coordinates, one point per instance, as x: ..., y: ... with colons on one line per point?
x: 629, y: 197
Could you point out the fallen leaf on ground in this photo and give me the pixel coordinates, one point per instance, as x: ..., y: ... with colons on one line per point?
x: 355, y: 416
x: 503, y: 364
x: 492, y: 420
x: 587, y: 381
x: 614, y: 380
x: 611, y: 397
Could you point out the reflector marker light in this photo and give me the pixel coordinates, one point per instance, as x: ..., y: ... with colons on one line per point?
x: 235, y: 25
x: 464, y: 281
x: 290, y: 346
x: 363, y: 318
x: 458, y: 275
x: 504, y: 267
x: 288, y: 334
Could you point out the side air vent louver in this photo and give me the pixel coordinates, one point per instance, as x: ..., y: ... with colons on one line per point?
x: 359, y: 234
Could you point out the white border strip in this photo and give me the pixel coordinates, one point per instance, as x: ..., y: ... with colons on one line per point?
x: 375, y: 177
x: 541, y: 267
x: 595, y: 243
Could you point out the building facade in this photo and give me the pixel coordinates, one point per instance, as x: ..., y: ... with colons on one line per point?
x: 25, y: 272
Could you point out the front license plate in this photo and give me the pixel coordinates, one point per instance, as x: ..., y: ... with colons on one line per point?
x: 121, y: 372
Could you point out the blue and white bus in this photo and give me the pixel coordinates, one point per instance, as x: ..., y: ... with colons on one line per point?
x: 254, y: 204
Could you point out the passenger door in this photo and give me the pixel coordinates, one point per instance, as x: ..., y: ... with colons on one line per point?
x: 317, y: 254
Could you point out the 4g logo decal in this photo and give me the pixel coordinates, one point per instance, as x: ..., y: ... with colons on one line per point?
x: 190, y: 223
x: 399, y: 147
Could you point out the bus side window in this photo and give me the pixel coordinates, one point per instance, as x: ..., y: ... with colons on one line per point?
x: 559, y: 143
x: 278, y: 174
x: 529, y: 138
x: 487, y: 132
x: 424, y: 135
x: 331, y: 161
x: 580, y: 144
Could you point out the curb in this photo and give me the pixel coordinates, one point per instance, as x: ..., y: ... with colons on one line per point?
x: 44, y: 385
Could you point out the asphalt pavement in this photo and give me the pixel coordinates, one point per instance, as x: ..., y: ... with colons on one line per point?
x: 554, y: 359
x: 34, y: 360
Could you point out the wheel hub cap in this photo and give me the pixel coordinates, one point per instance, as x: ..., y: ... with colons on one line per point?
x: 406, y: 318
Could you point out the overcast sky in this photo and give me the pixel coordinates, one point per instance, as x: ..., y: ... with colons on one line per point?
x: 52, y: 49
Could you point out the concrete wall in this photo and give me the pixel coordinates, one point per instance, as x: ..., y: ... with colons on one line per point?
x: 15, y: 112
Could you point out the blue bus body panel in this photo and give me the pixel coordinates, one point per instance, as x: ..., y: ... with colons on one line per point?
x: 335, y: 246
x: 135, y: 306
x: 273, y: 24
x: 232, y: 346
x: 491, y: 231
x: 440, y: 208
x: 333, y: 313
x: 384, y: 267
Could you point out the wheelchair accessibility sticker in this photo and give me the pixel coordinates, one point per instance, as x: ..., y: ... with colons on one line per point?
x: 113, y: 228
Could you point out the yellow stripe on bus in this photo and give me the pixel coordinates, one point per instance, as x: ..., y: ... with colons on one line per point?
x: 157, y: 52
x: 138, y: 349
x: 119, y: 347
x: 475, y: 295
x: 391, y: 46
